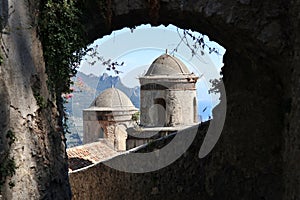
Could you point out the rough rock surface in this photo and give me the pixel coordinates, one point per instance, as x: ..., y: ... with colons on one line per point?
x: 39, y: 151
x: 257, y: 156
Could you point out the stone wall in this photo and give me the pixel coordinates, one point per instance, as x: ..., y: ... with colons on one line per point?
x: 39, y: 149
x: 187, y: 178
x: 292, y: 109
x: 176, y: 181
x: 256, y: 157
x: 91, y: 127
x: 168, y: 107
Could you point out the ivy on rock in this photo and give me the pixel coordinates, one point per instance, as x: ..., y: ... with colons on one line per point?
x: 62, y: 37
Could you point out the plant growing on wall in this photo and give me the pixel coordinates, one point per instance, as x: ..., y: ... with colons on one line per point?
x: 62, y: 36
x: 7, y: 163
x: 136, y: 117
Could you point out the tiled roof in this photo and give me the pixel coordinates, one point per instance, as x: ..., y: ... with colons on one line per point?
x: 85, y: 155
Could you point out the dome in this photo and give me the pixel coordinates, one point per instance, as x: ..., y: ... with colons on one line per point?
x: 167, y: 65
x: 113, y: 99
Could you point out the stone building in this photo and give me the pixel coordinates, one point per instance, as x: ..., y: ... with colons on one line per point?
x: 107, y: 118
x: 168, y: 104
x: 168, y: 94
x: 168, y: 101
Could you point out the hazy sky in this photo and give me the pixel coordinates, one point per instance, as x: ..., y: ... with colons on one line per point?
x: 143, y: 44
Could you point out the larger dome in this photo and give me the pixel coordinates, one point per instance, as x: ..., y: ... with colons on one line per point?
x: 113, y: 99
x: 167, y: 65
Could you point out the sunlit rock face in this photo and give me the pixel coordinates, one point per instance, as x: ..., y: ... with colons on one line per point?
x: 30, y: 135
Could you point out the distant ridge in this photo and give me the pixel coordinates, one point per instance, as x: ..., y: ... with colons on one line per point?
x: 106, y: 81
x: 92, y: 86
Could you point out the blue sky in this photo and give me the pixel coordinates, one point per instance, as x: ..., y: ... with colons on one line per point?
x: 139, y: 47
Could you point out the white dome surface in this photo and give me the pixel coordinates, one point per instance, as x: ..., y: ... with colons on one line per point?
x: 113, y: 99
x: 167, y: 65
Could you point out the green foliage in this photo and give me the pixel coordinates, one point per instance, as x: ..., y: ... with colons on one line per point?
x: 61, y: 33
x: 136, y: 116
x: 7, y: 164
x: 11, y: 137
x: 216, y: 84
x: 41, y: 102
x: 11, y: 184
x: 1, y: 24
x: 7, y: 169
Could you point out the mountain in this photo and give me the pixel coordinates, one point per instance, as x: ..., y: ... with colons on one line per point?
x: 88, y: 87
x: 106, y: 81
x: 91, y: 80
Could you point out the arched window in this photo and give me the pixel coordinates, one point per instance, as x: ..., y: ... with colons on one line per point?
x: 161, y: 102
x: 195, y: 110
x: 159, y: 112
x: 101, y: 133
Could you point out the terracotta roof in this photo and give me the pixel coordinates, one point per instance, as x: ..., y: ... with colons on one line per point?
x: 88, y: 154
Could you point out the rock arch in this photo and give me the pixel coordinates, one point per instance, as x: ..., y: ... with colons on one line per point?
x: 256, y: 155
x: 262, y: 112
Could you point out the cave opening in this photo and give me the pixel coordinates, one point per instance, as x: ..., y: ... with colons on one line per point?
x: 136, y: 49
x: 251, y: 145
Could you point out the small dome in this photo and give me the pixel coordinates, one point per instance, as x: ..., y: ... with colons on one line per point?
x: 113, y: 99
x: 167, y: 65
